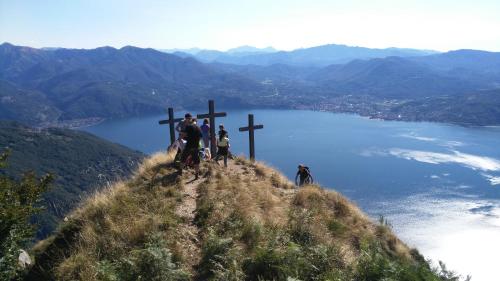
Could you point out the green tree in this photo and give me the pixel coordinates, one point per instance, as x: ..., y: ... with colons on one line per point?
x: 18, y: 203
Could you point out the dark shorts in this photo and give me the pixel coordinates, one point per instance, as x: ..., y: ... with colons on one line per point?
x: 222, y: 150
x: 191, y: 152
x: 305, y: 180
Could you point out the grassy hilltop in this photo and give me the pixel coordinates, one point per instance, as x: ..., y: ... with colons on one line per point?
x: 243, y: 223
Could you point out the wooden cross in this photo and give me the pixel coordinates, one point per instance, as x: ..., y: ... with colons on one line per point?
x: 251, y: 127
x: 211, y: 116
x: 171, y: 122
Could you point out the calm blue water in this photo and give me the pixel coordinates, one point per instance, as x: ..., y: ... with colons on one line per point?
x: 438, y: 184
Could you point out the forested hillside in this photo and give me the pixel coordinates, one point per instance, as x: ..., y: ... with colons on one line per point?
x: 80, y: 162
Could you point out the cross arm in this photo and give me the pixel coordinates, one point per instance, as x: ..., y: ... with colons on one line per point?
x: 219, y: 114
x: 256, y: 127
x: 161, y: 122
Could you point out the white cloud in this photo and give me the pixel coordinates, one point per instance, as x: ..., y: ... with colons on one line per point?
x: 413, y: 136
x: 444, y: 143
x: 471, y: 161
x: 454, y: 143
x: 492, y: 179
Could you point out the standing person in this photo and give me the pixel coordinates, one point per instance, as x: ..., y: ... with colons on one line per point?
x: 222, y: 148
x: 181, y: 126
x: 305, y: 175
x: 222, y: 130
x: 205, y: 131
x: 193, y: 137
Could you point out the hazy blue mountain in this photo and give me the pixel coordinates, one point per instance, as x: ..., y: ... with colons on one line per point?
x: 209, y: 55
x: 276, y: 73
x: 250, y: 49
x: 315, y: 56
x: 391, y: 77
x: 190, y: 51
x: 480, y: 66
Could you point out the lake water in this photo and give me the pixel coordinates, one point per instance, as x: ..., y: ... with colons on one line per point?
x: 437, y: 184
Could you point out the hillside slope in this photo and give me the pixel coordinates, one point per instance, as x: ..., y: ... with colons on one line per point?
x: 80, y: 161
x: 243, y: 223
x: 105, y: 82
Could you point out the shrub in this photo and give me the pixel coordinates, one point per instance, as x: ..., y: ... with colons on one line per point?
x: 299, y: 226
x: 153, y: 262
x: 267, y: 264
x: 18, y: 203
x: 251, y: 233
x: 336, y: 227
x: 218, y: 260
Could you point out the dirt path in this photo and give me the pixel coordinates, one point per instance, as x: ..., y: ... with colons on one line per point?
x: 188, y: 232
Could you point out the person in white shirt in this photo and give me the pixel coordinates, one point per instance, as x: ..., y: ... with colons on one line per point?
x: 222, y: 148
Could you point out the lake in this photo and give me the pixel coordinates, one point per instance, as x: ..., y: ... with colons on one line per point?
x: 437, y: 184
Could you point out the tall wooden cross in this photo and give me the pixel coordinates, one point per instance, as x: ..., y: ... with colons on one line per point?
x: 251, y: 127
x: 171, y: 122
x: 211, y: 116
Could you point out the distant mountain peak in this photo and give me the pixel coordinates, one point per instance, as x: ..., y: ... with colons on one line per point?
x: 251, y: 49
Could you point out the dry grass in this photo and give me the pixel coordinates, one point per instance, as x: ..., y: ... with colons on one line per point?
x: 251, y: 204
x: 120, y: 218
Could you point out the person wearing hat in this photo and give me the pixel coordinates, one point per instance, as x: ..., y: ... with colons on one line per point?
x: 304, y: 174
x: 181, y: 126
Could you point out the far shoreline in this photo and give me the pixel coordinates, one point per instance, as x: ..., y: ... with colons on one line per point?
x: 76, y: 124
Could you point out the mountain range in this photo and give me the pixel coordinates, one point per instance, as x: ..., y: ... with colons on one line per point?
x: 44, y: 87
x: 315, y: 56
x: 62, y: 84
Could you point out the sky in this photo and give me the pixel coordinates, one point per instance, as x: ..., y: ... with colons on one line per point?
x: 222, y: 24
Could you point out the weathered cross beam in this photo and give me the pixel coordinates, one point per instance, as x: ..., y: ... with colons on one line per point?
x: 211, y: 116
x: 171, y: 122
x: 251, y: 127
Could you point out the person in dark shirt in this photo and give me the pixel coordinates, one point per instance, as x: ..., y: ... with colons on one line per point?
x: 181, y: 126
x: 304, y: 174
x: 192, y: 136
x: 222, y: 131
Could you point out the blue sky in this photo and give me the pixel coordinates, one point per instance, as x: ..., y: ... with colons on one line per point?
x: 223, y: 24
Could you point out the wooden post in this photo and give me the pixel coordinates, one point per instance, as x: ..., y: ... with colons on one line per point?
x: 211, y: 116
x: 251, y: 138
x: 171, y: 122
